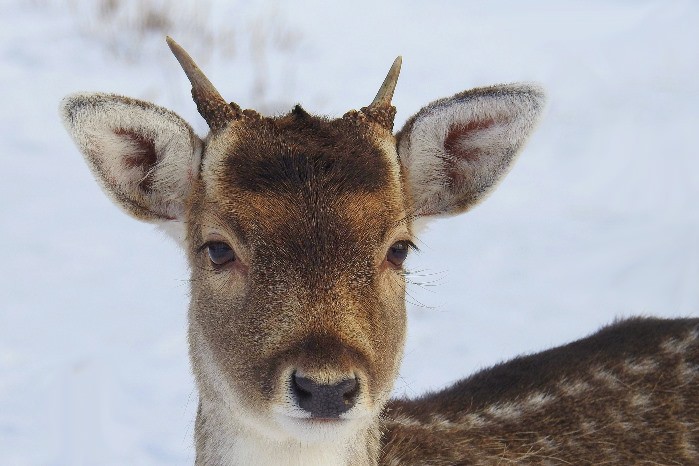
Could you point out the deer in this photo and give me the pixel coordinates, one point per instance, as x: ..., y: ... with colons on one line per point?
x: 297, y: 227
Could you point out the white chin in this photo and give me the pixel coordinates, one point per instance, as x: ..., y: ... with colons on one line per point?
x: 318, y: 430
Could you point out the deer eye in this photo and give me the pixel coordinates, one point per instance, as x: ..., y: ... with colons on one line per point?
x: 220, y: 253
x: 398, y: 252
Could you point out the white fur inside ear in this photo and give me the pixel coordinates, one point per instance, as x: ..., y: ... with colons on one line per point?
x: 455, y: 150
x: 145, y: 157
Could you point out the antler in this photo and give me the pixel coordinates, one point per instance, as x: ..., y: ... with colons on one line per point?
x: 211, y: 105
x: 385, y: 94
x: 380, y: 110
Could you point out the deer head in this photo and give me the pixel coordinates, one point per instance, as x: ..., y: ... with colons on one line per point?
x: 296, y: 228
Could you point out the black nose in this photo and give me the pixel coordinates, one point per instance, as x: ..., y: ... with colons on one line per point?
x: 324, y: 401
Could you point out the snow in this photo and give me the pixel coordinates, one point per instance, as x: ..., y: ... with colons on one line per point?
x: 597, y: 220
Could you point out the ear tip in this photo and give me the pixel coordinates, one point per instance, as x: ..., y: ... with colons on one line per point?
x: 64, y: 108
x: 74, y: 102
x: 70, y: 98
x: 531, y: 94
x: 536, y: 90
x: 531, y: 88
x: 80, y: 96
x: 70, y: 104
x: 534, y: 101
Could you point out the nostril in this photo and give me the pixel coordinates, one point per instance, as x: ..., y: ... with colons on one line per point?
x: 349, y: 389
x: 324, y: 400
x: 301, y: 386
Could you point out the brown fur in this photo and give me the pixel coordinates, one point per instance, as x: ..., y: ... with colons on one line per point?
x: 627, y: 395
x: 293, y: 192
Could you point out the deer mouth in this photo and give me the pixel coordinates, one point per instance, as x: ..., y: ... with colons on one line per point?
x: 317, y: 429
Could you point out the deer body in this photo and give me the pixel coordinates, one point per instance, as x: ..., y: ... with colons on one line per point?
x: 628, y: 394
x: 296, y: 228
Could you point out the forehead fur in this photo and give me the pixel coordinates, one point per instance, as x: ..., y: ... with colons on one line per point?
x: 304, y: 179
x: 300, y: 151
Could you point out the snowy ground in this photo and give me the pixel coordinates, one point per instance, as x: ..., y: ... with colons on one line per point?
x: 598, y: 219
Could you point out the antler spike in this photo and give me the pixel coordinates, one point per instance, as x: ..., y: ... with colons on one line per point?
x: 380, y: 110
x: 211, y: 105
x: 385, y: 94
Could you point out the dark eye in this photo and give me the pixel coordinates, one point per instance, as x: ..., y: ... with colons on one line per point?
x: 398, y: 252
x: 220, y: 253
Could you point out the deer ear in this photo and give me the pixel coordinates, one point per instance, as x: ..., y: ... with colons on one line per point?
x: 455, y: 150
x: 144, y: 156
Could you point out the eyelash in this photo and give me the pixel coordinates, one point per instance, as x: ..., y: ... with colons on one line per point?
x: 411, y: 245
x: 398, y: 252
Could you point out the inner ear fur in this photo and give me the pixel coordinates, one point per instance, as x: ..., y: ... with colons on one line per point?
x: 455, y: 150
x: 144, y: 156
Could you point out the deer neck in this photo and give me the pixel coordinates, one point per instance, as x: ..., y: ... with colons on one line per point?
x: 223, y: 440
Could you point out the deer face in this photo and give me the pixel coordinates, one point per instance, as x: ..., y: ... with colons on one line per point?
x: 296, y: 229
